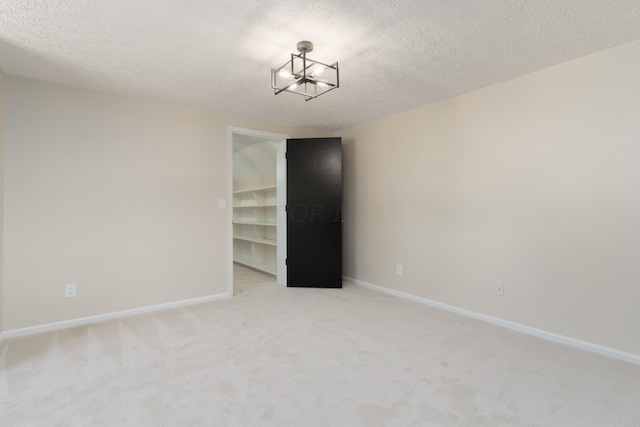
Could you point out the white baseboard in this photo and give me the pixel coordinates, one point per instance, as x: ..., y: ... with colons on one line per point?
x: 31, y: 330
x: 550, y: 336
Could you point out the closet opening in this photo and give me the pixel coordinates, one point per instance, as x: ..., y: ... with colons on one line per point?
x: 257, y: 228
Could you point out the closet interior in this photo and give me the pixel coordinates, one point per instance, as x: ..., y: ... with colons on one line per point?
x: 255, y: 213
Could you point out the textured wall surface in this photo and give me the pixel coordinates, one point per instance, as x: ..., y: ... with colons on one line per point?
x: 394, y: 55
x: 532, y: 183
x: 117, y: 195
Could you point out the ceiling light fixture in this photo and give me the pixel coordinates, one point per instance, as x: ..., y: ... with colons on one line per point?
x: 301, y: 75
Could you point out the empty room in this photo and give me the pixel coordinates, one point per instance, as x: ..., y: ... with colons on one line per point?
x: 338, y: 213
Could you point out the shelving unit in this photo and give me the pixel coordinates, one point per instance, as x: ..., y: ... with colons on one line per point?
x: 255, y: 227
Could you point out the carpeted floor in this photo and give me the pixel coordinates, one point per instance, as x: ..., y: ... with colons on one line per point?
x: 273, y: 356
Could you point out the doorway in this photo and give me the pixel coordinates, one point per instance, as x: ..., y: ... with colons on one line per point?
x: 257, y: 218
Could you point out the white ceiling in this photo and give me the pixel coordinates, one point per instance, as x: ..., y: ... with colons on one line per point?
x: 240, y: 142
x: 394, y: 55
x: 255, y: 160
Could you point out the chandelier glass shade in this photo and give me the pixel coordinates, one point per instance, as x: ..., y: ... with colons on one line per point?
x: 305, y: 76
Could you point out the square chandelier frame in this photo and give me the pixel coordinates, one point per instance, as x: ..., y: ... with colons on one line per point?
x: 305, y: 76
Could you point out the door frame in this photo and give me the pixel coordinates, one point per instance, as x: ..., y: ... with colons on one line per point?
x: 281, y: 177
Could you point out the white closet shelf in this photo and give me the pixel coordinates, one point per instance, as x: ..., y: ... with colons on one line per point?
x: 255, y: 206
x: 271, y: 187
x: 270, y: 224
x: 256, y: 240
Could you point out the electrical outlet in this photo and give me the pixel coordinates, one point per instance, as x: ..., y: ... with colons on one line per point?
x: 70, y: 290
x: 399, y: 270
x: 500, y: 290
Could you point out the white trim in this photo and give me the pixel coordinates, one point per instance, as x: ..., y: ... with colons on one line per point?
x: 550, y: 336
x: 281, y: 213
x: 230, y: 211
x: 271, y: 136
x: 31, y: 330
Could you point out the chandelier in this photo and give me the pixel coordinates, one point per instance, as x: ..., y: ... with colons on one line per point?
x: 305, y: 76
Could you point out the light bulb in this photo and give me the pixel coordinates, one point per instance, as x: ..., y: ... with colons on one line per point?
x: 321, y: 84
x: 284, y: 74
x: 318, y: 70
x: 293, y: 86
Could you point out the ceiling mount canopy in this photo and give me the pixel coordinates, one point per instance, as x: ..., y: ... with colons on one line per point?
x: 305, y: 76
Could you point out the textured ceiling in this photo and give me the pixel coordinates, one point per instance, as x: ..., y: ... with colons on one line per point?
x: 394, y: 55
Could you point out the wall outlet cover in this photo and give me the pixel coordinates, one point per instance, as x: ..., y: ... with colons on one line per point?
x: 70, y: 290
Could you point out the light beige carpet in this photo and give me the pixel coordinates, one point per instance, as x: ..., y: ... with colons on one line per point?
x: 274, y: 356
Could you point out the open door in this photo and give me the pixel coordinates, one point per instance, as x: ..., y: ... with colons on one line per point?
x: 314, y: 212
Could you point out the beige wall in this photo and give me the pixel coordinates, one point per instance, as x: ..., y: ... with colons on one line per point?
x: 1, y: 200
x: 533, y: 183
x: 117, y: 195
